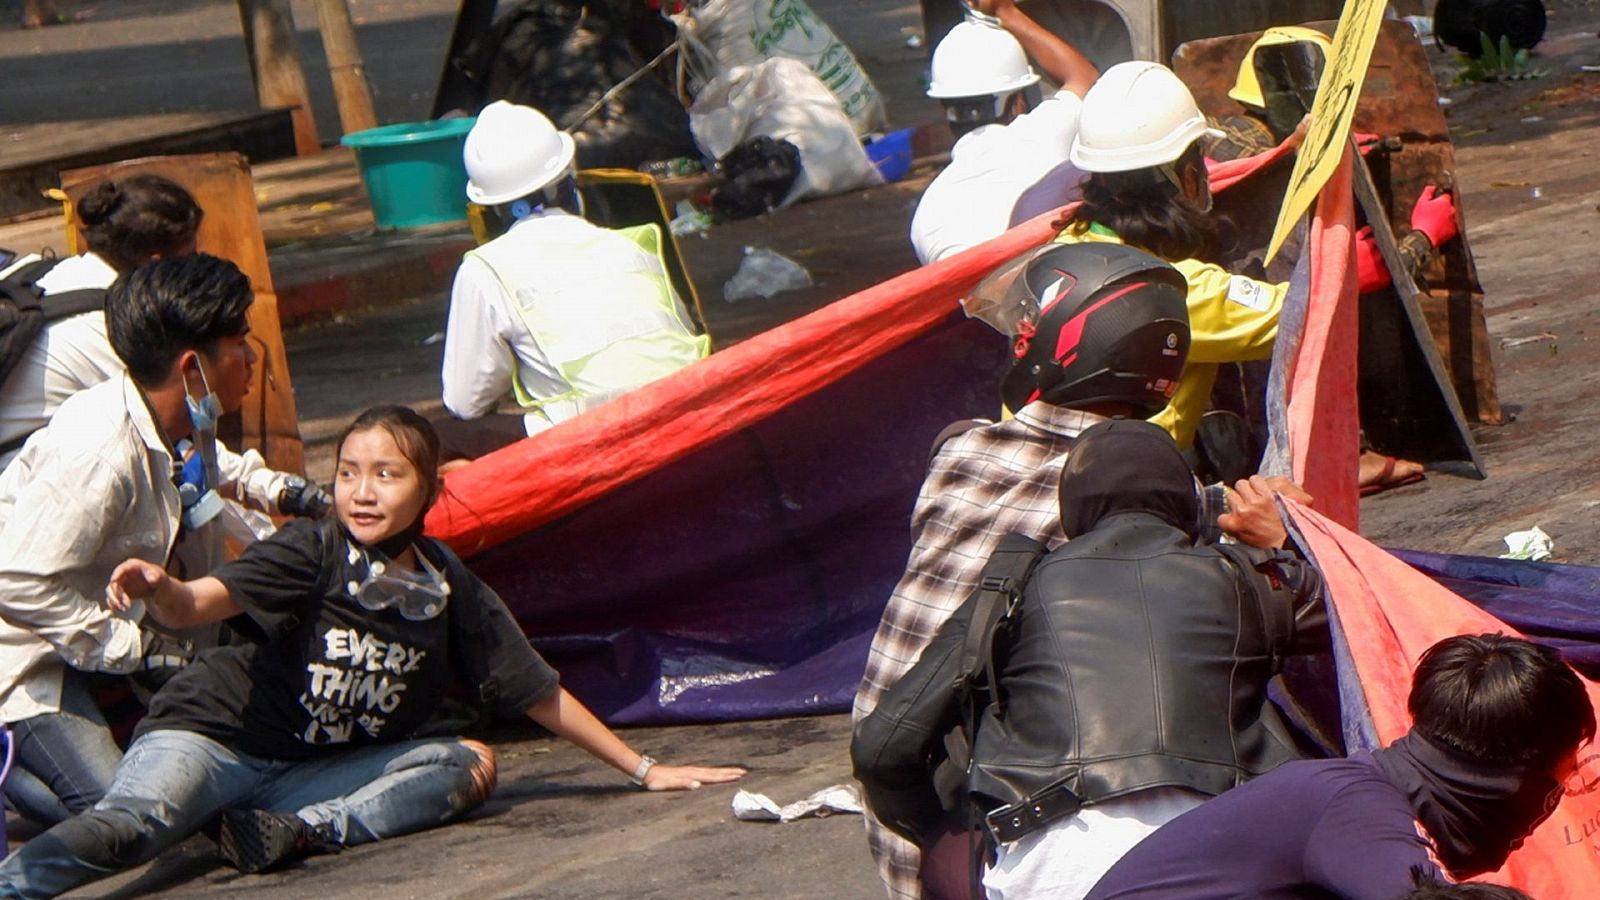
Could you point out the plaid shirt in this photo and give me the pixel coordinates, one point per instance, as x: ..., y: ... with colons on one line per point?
x: 982, y: 485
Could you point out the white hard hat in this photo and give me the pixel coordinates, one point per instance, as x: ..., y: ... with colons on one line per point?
x: 513, y: 151
x: 1138, y: 115
x: 978, y: 58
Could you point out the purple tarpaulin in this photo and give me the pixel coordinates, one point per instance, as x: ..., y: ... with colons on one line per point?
x: 745, y: 579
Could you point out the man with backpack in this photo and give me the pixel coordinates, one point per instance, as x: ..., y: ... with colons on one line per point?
x: 1109, y: 339
x: 1117, y: 685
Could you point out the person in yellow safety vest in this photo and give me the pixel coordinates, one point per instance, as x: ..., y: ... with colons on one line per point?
x: 1140, y: 141
x: 562, y: 314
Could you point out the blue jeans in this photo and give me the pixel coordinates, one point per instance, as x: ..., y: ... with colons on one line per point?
x: 171, y: 783
x: 65, y: 760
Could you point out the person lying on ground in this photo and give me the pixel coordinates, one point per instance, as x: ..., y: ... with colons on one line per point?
x: 1009, y: 162
x: 1128, y: 685
x: 305, y: 740
x: 1147, y: 187
x: 1497, y: 723
x: 96, y: 486
x: 1113, y: 345
x: 561, y: 314
x: 126, y: 223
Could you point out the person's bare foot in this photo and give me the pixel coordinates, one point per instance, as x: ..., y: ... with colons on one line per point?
x: 1378, y: 472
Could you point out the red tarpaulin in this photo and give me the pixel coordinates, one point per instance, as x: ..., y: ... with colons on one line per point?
x: 1387, y: 613
x: 536, y: 481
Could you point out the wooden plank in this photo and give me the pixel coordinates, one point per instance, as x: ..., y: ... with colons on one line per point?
x: 275, y: 65
x: 231, y: 229
x: 1392, y: 105
x: 1405, y: 287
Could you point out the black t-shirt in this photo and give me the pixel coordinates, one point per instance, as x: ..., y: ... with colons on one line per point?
x: 328, y: 674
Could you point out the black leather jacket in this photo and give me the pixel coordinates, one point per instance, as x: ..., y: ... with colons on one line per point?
x: 1135, y: 660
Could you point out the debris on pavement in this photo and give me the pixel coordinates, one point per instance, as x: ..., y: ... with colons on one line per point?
x: 689, y: 219
x: 763, y: 273
x: 1532, y: 544
x: 753, y: 807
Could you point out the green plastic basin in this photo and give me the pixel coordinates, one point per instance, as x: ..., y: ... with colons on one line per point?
x: 413, y: 171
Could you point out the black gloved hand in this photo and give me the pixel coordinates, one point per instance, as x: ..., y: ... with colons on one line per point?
x: 302, y: 498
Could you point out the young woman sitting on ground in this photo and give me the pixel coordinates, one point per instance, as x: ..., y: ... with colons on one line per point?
x: 305, y: 739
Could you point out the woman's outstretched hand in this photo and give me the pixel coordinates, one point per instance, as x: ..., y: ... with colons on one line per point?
x: 134, y: 579
x: 688, y: 778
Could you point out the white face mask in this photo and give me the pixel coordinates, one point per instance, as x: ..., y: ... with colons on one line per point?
x: 205, y: 412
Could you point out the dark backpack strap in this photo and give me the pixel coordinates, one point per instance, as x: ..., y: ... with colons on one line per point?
x: 1000, y: 586
x: 67, y: 304
x: 20, y: 285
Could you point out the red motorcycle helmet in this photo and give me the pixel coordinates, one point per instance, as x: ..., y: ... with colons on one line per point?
x: 1095, y: 323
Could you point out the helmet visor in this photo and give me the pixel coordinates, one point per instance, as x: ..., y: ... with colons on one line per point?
x: 995, y: 303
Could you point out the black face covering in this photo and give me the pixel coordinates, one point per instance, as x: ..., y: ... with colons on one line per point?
x: 1476, y: 813
x: 1126, y: 466
x: 395, y: 545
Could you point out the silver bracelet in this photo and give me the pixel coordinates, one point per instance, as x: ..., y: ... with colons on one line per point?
x: 645, y: 765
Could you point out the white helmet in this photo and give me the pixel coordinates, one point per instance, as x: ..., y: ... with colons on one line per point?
x: 513, y: 151
x: 1137, y: 116
x: 978, y: 58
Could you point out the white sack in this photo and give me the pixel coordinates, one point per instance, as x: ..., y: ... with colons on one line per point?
x: 782, y: 99
x: 749, y: 32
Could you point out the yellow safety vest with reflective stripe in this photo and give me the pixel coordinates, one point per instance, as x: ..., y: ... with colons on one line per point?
x: 1231, y: 319
x: 600, y: 307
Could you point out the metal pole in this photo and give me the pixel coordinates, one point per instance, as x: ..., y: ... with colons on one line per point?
x: 275, y: 66
x: 350, y: 88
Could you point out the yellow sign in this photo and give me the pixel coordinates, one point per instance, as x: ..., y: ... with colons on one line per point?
x: 1331, y: 113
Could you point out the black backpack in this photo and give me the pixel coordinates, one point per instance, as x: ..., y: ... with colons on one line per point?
x: 25, y: 311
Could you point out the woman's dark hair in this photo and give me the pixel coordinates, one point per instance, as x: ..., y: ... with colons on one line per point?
x: 1148, y: 211
x: 133, y: 220
x: 159, y: 310
x: 413, y: 434
x: 1501, y: 700
x: 1428, y: 887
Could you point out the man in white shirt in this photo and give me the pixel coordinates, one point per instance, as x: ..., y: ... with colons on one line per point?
x: 93, y: 488
x: 561, y: 313
x: 1009, y: 163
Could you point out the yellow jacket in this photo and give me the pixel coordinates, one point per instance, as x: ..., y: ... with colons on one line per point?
x: 1231, y: 319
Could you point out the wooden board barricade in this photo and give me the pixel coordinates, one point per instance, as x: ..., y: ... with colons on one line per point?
x: 231, y: 229
x: 1391, y: 105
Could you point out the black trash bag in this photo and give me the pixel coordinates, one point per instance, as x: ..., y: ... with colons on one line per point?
x: 560, y: 57
x: 1459, y: 23
x: 758, y: 174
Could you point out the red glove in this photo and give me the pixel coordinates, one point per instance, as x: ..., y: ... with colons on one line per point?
x: 1371, y: 273
x: 1435, y: 215
x: 1365, y: 142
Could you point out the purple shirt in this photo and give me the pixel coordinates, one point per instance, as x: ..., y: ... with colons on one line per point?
x: 1310, y: 829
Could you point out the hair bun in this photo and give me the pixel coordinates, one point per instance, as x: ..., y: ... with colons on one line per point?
x: 99, y: 203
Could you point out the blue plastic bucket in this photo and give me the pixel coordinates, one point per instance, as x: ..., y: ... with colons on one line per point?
x: 892, y: 154
x: 413, y: 171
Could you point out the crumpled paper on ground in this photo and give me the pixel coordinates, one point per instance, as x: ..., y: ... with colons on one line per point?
x: 840, y: 798
x: 1532, y: 544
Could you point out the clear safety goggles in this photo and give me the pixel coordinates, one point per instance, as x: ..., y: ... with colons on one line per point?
x: 418, y: 596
